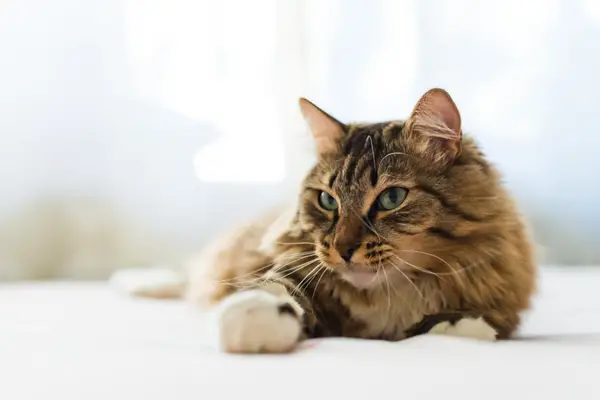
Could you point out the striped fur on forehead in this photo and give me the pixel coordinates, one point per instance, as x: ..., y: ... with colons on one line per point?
x: 365, y: 153
x: 362, y: 147
x: 361, y: 151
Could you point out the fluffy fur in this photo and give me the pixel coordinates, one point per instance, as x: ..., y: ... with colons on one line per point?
x: 453, y: 257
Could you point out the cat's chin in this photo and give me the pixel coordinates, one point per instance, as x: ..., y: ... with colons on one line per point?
x: 361, y: 279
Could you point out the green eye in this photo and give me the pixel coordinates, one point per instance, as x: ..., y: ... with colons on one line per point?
x: 327, y: 201
x: 391, y: 198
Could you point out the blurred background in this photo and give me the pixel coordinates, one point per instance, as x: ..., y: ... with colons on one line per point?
x: 132, y: 131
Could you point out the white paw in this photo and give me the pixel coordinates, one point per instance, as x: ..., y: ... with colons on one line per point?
x: 256, y: 321
x: 475, y: 328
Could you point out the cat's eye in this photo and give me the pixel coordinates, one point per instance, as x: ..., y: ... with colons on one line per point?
x: 327, y: 201
x: 391, y: 198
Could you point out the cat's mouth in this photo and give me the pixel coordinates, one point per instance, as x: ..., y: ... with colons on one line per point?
x: 361, y: 276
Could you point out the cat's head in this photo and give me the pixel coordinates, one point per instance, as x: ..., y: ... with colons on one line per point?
x: 391, y: 196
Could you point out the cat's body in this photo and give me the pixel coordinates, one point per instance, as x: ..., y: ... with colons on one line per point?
x: 401, y: 228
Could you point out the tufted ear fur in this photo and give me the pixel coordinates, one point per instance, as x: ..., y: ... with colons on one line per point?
x: 326, y: 130
x: 433, y: 130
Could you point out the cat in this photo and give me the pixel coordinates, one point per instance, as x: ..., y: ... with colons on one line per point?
x: 401, y: 228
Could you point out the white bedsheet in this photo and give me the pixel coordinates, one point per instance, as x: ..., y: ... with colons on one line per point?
x: 84, y: 341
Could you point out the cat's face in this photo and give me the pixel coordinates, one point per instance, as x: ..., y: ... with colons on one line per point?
x: 380, y: 193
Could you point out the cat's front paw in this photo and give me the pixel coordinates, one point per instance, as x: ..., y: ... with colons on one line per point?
x: 256, y: 321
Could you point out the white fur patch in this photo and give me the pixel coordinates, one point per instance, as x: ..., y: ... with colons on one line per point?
x: 466, y: 327
x: 251, y: 322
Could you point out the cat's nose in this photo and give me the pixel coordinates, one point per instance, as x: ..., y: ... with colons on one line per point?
x: 346, y: 251
x: 348, y: 236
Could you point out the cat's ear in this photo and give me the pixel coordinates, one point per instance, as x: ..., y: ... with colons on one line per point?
x: 326, y: 130
x: 434, y: 128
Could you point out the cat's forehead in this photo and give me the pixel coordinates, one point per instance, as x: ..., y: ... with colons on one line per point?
x: 358, y: 136
x: 368, y: 154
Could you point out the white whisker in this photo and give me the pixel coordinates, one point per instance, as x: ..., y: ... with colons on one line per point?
x: 258, y: 280
x: 298, y: 287
x: 370, y: 139
x: 297, y: 268
x: 279, y: 267
x: 366, y: 223
x: 425, y: 271
x: 407, y: 278
x: 320, y: 267
x: 429, y: 254
x: 388, y: 292
x: 296, y: 243
x: 392, y: 154
x: 325, y: 270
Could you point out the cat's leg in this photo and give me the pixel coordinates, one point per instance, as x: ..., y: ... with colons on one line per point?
x: 456, y: 324
x: 262, y: 320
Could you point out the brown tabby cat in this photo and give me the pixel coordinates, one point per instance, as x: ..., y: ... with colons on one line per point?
x: 401, y: 228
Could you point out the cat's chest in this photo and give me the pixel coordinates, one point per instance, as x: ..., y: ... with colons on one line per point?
x: 387, y: 312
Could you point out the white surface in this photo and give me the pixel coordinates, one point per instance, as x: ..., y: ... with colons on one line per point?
x: 83, y: 341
